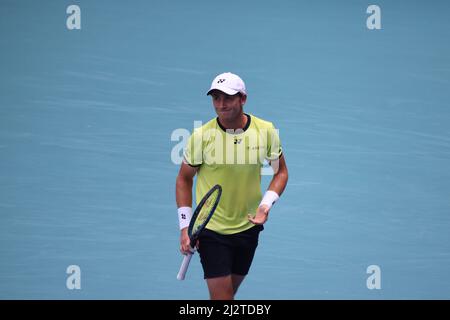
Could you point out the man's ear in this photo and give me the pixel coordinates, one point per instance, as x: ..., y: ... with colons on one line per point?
x: 243, y: 99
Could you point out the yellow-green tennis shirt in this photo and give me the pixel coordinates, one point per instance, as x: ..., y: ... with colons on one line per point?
x: 232, y: 159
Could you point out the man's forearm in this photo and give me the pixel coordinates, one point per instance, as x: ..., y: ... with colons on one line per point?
x: 280, y: 176
x: 184, y: 192
x: 279, y: 182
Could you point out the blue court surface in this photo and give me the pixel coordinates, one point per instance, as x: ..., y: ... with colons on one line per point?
x: 86, y: 123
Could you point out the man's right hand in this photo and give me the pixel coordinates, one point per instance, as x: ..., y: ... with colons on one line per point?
x: 185, y: 242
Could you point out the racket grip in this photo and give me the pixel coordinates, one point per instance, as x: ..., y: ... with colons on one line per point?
x: 184, y: 266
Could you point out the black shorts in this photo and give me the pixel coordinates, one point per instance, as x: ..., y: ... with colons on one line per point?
x: 222, y: 255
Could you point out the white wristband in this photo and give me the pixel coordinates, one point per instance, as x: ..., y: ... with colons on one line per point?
x: 270, y: 197
x: 184, y: 216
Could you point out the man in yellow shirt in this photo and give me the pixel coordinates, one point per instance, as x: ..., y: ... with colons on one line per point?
x: 229, y: 150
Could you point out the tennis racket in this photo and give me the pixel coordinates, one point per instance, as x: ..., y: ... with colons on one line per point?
x: 199, y: 220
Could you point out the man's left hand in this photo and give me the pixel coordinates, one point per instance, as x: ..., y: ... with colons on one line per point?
x: 262, y: 214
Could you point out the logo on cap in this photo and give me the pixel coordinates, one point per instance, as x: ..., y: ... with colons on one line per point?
x: 221, y: 80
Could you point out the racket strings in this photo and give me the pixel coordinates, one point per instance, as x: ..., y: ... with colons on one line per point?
x: 205, y: 210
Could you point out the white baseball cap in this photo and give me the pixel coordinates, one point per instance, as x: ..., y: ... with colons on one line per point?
x: 229, y: 83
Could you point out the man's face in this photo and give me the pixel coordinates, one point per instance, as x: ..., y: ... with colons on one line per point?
x: 228, y: 108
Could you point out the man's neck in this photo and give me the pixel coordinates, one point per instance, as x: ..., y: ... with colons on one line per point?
x: 239, y: 123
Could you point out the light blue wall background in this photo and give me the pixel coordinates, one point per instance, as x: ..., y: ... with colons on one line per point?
x: 86, y: 117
